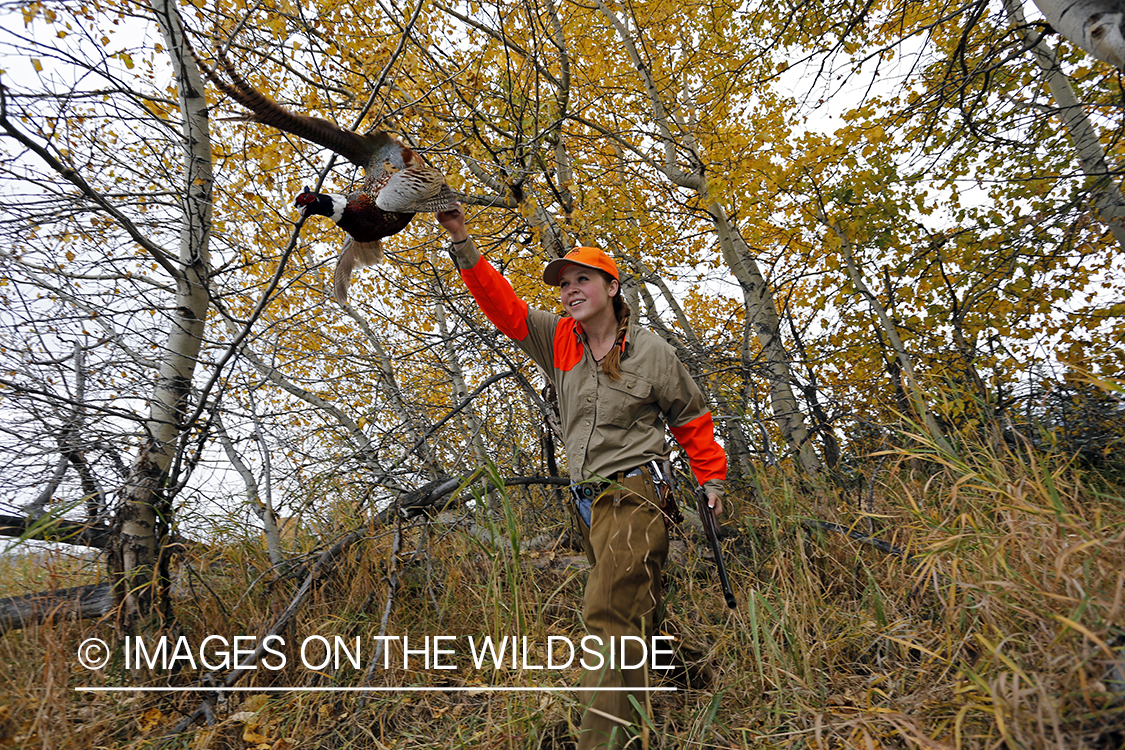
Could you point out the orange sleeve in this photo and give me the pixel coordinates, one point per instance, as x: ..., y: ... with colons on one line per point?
x: 697, y: 438
x: 496, y: 299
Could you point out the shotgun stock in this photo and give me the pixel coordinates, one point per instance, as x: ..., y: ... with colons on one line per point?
x: 711, y: 530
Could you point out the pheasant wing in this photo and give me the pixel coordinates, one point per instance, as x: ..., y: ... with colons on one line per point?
x: 416, y: 189
x: 445, y: 200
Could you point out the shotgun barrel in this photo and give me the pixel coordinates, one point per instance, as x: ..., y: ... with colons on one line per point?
x: 711, y: 530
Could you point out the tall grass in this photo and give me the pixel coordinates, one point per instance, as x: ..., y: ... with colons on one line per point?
x: 999, y: 628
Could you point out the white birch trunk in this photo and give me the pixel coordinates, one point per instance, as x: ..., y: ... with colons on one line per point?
x: 1091, y: 155
x: 262, y: 507
x: 460, y: 388
x: 1097, y: 26
x: 763, y: 320
x: 761, y: 312
x: 136, y: 543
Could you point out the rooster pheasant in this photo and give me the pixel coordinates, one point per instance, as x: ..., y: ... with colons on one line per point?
x: 397, y: 183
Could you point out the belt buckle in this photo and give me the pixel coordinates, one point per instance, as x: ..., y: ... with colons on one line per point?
x: 590, y: 490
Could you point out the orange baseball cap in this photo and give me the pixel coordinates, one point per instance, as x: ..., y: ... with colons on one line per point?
x: 591, y: 257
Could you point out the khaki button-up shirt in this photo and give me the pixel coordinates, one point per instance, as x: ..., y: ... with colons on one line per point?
x: 609, y: 426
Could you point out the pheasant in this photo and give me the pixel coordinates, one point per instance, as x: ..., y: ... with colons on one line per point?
x: 397, y: 183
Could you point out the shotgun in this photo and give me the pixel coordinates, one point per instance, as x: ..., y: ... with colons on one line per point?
x: 711, y: 530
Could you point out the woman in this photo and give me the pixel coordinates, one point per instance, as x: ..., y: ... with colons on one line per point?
x: 619, y: 386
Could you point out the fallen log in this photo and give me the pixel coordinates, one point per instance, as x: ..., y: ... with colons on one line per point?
x: 76, y: 603
x: 431, y: 496
x: 56, y: 530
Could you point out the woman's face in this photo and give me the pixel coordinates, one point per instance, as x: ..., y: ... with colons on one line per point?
x: 586, y: 294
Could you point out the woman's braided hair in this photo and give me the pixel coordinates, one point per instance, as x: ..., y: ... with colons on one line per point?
x: 611, y: 364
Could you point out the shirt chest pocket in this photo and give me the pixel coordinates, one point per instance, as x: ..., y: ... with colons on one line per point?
x: 624, y: 401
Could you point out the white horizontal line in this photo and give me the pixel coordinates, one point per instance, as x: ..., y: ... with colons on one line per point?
x: 392, y: 689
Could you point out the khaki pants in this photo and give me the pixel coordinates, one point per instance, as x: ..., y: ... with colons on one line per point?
x: 627, y: 544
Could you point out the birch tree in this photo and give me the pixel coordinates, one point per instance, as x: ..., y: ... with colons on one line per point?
x: 1105, y: 29
x: 1097, y: 26
x: 143, y: 514
x: 144, y: 504
x: 680, y: 147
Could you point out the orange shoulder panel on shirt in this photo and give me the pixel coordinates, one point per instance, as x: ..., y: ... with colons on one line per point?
x: 497, y: 299
x: 568, y: 349
x: 697, y: 438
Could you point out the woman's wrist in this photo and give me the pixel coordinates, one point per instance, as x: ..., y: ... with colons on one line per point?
x: 463, y: 251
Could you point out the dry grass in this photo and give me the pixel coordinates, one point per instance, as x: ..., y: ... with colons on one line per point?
x: 1001, y: 630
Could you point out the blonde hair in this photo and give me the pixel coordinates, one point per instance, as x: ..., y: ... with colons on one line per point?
x: 611, y: 362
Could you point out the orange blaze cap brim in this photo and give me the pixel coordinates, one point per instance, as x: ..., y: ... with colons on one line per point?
x: 591, y: 257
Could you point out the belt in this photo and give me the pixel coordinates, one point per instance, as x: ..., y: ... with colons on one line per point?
x: 584, y: 494
x: 590, y: 490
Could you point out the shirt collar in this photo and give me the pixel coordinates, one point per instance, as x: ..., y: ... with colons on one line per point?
x: 626, y: 345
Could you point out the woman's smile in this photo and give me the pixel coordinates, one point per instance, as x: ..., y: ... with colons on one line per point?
x: 585, y: 294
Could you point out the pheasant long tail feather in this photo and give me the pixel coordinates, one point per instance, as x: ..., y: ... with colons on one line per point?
x: 355, y: 255
x: 354, y: 147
